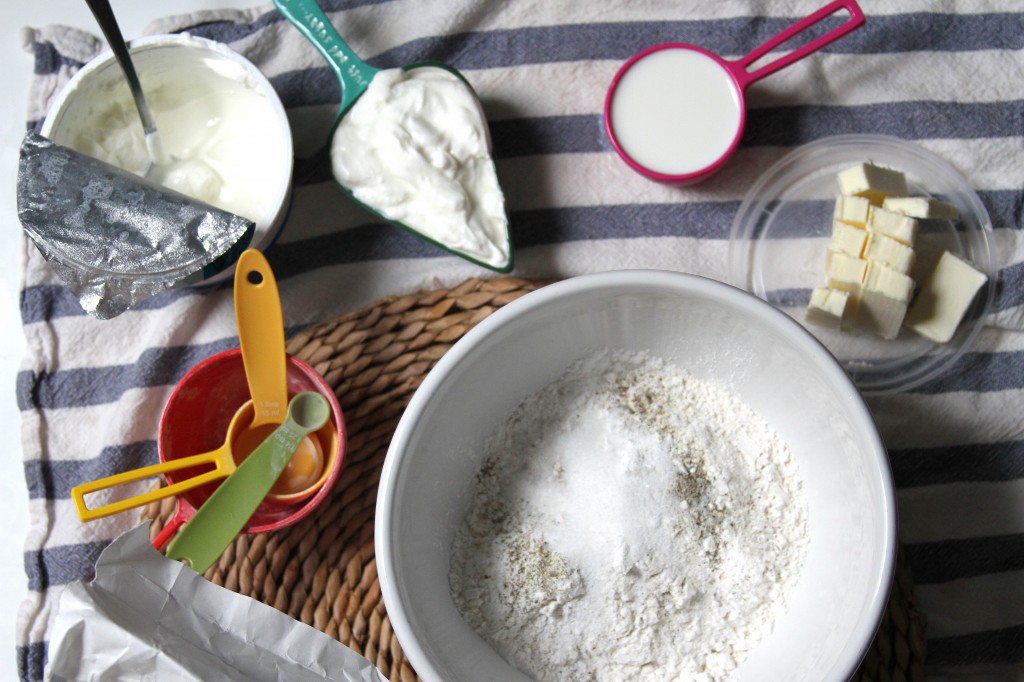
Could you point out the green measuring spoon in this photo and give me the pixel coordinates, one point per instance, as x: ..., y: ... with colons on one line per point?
x: 355, y: 75
x: 223, y: 515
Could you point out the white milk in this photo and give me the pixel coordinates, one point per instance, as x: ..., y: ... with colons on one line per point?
x: 675, y: 111
x: 415, y: 147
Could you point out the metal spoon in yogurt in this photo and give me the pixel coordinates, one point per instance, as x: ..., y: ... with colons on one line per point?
x: 190, y: 176
x: 112, y: 32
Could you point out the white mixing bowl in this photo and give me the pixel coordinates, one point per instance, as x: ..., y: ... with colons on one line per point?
x: 715, y: 332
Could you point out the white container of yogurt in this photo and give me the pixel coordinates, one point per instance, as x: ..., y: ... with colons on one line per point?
x: 219, y: 119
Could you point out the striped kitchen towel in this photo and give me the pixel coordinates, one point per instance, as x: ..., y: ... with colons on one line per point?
x: 947, y: 75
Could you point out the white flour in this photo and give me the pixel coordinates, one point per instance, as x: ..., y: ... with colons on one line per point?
x: 630, y: 522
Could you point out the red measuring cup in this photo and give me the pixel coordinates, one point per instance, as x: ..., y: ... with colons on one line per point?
x: 675, y: 112
x: 196, y: 418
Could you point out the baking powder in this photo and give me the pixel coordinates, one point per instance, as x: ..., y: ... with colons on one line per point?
x: 630, y: 522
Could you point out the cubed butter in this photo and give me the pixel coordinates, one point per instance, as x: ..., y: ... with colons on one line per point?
x: 878, y: 314
x: 922, y: 208
x: 892, y: 224
x: 848, y: 239
x: 883, y: 279
x: 872, y: 182
x: 827, y: 307
x: 882, y: 301
x: 888, y: 251
x: 944, y: 298
x: 844, y: 272
x: 853, y: 210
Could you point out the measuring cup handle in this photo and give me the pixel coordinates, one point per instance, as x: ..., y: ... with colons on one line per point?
x: 855, y: 21
x: 353, y: 73
x: 168, y: 531
x: 79, y: 492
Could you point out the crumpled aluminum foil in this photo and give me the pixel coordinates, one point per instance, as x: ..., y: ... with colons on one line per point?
x: 113, y: 238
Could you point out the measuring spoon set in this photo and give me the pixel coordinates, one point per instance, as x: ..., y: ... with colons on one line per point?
x: 270, y: 450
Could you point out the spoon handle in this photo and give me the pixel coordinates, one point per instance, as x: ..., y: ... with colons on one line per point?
x: 353, y: 73
x: 260, y: 324
x: 112, y: 32
x: 220, y: 459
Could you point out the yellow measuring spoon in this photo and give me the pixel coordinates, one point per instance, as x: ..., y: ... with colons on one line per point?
x: 261, y: 337
x: 222, y: 462
x: 221, y: 459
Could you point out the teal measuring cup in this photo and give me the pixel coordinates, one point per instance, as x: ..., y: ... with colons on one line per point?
x: 354, y: 75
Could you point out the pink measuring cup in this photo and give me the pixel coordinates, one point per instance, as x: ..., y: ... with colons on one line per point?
x: 675, y: 112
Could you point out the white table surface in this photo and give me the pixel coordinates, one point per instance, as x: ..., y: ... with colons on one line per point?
x: 15, y: 73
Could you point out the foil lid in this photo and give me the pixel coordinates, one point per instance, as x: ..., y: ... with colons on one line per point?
x: 113, y: 238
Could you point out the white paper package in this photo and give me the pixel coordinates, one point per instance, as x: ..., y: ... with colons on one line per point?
x: 147, y: 617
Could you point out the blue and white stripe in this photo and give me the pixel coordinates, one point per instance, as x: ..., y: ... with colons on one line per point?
x: 945, y: 74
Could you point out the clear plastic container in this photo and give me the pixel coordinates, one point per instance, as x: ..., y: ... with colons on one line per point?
x: 780, y: 236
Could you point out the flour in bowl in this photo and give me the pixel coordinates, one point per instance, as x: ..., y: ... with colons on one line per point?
x: 630, y: 522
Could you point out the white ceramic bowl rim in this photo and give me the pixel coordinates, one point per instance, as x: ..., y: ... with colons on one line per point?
x: 653, y: 280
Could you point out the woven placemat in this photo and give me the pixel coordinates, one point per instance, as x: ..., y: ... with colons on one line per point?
x: 322, y: 570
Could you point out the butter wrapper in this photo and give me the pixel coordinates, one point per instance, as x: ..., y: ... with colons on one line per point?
x: 113, y: 238
x: 147, y: 617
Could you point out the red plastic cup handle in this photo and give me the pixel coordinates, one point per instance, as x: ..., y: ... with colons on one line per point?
x: 184, y: 513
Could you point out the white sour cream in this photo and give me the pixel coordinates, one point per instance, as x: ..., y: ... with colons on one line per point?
x: 415, y: 147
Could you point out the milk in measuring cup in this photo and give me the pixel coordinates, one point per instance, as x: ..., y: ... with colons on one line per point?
x: 675, y: 111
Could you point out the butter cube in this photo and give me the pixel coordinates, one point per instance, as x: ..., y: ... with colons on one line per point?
x: 944, y: 298
x: 883, y: 279
x: 853, y: 210
x: 888, y: 251
x: 892, y: 224
x: 844, y: 272
x: 872, y: 182
x: 848, y: 239
x: 923, y: 208
x: 827, y: 307
x: 879, y: 314
x: 882, y: 301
